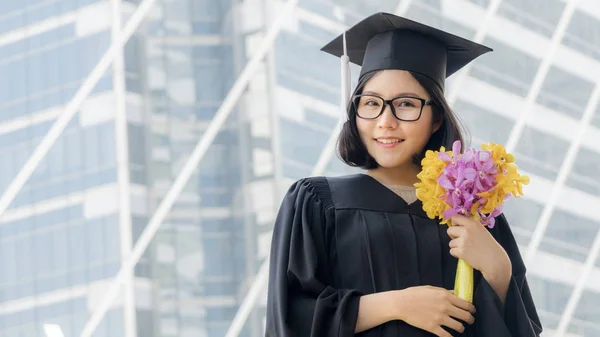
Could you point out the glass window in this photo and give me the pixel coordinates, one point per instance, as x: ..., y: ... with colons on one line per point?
x: 25, y: 267
x: 108, y: 156
x: 70, y: 63
x: 91, y: 145
x: 569, y: 235
x: 132, y: 55
x: 90, y: 49
x: 296, y: 171
x: 60, y: 251
x: 95, y: 240
x: 209, y: 84
x: 548, y: 295
x: 137, y: 144
x: 132, y: 84
x: 36, y: 69
x: 295, y: 141
x: 318, y: 118
x: 12, y: 22
x: 583, y: 34
x: 301, y: 59
x: 42, y: 241
x: 484, y: 125
x: 4, y: 89
x: 77, y: 245
x: 7, y: 7
x: 565, y: 93
x: 215, y: 199
x: 541, y: 17
x: 506, y: 68
x: 6, y: 169
x: 112, y: 244
x: 325, y: 8
x: 16, y: 71
x: 56, y: 158
x: 522, y: 215
x: 217, y: 256
x: 73, y: 151
x: 584, y: 174
x: 540, y: 153
x: 588, y: 310
x: 105, y: 84
x: 8, y: 260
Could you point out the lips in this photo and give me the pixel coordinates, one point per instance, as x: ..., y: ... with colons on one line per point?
x: 389, y: 140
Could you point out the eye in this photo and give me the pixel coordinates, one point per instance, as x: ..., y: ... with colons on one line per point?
x: 406, y: 103
x: 371, y: 102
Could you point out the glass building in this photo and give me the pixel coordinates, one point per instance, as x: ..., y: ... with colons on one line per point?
x: 75, y: 221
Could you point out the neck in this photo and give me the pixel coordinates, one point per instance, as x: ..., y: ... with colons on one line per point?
x: 404, y: 175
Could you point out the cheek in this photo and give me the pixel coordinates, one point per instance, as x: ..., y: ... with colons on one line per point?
x: 364, y: 130
x: 419, y: 130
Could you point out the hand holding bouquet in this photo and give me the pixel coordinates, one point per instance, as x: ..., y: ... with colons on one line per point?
x: 474, y: 184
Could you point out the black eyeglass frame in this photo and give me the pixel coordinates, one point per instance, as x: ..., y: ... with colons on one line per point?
x: 424, y: 102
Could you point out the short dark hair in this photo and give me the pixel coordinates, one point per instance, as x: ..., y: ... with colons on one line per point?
x: 352, y: 151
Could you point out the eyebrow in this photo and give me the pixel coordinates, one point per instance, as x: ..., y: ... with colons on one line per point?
x: 397, y: 95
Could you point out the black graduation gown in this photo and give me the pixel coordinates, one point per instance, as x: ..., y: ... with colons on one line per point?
x: 336, y: 239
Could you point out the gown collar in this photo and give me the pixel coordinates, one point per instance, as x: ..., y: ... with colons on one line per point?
x: 362, y: 191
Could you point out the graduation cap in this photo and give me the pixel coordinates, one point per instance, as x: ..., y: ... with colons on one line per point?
x: 386, y: 41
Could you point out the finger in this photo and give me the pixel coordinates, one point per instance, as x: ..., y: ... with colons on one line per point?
x: 462, y: 315
x: 455, y: 232
x: 453, y: 324
x: 462, y: 221
x: 459, y: 220
x: 456, y: 252
x: 441, y: 332
x: 455, y: 243
x: 462, y: 304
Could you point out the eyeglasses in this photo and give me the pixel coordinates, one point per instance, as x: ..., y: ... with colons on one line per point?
x: 404, y: 108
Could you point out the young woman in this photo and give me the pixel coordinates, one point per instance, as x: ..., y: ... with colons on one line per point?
x: 357, y: 254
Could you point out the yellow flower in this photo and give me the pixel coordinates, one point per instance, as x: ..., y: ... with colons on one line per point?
x: 499, y: 154
x: 508, y: 179
x: 428, y: 189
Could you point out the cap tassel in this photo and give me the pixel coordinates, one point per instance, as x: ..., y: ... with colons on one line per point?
x: 345, y: 71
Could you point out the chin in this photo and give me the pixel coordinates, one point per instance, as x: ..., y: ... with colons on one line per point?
x: 392, y: 163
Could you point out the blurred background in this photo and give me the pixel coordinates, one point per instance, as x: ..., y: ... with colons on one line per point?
x: 245, y: 81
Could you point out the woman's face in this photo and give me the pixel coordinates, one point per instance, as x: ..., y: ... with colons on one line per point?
x: 390, y: 141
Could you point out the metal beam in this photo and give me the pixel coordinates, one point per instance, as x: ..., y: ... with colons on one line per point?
x: 123, y: 180
x: 482, y: 30
x: 541, y: 74
x: 188, y: 169
x: 71, y: 109
x: 261, y: 279
x: 590, y: 261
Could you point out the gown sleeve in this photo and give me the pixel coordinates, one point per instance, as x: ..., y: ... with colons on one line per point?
x: 300, y: 300
x: 518, y: 316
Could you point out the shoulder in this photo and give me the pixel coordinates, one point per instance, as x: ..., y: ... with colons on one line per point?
x: 313, y: 189
x: 327, y: 189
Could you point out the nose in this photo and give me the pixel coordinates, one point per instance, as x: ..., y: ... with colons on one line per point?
x: 387, y: 120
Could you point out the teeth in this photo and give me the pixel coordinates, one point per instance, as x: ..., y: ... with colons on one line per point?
x: 388, y: 141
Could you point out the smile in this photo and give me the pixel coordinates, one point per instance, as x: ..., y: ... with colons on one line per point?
x: 388, y: 142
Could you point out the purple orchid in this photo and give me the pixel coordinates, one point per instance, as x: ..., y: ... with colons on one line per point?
x: 465, y: 176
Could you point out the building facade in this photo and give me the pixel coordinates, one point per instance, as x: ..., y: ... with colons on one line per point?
x: 67, y: 232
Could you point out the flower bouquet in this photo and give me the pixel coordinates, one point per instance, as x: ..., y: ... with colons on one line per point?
x: 474, y: 184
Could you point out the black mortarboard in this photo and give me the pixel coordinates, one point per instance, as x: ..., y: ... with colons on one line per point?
x: 386, y: 41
